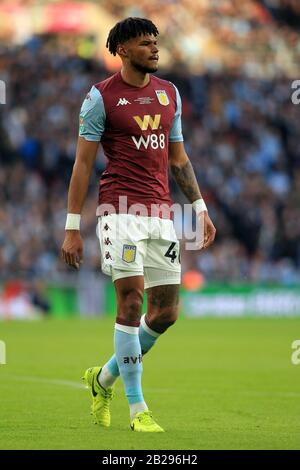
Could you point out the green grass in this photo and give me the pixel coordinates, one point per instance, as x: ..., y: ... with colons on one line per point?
x: 211, y: 383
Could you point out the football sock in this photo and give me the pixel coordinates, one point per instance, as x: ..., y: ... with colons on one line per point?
x: 136, y: 408
x: 129, y: 359
x: 147, y: 336
x: 105, y: 377
x: 110, y: 371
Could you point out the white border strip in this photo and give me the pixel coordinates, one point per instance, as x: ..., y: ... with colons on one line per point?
x: 131, y: 330
x: 147, y: 329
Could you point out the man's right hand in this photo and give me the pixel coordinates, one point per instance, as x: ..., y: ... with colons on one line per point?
x: 72, y: 249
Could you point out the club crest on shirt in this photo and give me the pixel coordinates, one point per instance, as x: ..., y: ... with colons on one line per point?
x: 162, y: 97
x: 129, y: 253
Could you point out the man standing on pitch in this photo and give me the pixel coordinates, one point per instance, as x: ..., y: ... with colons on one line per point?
x: 137, y: 118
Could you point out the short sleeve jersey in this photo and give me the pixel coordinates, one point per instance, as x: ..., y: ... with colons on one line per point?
x: 135, y: 126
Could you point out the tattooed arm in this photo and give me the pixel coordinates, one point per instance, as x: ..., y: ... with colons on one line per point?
x: 184, y: 176
x: 183, y: 171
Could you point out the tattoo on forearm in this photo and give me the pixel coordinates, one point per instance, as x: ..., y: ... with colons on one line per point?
x: 186, y: 180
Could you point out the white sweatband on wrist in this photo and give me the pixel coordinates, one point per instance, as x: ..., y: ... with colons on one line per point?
x: 199, y: 206
x: 73, y: 222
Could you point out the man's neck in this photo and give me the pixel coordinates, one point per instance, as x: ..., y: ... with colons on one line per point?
x: 135, y: 78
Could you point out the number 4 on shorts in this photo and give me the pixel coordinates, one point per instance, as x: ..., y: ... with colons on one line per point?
x: 172, y: 254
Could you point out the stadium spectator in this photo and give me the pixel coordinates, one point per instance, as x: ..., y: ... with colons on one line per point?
x: 240, y: 133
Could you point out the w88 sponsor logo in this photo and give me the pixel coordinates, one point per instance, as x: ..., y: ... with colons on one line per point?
x: 153, y: 140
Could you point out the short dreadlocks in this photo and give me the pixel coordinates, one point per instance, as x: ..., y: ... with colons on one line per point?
x: 129, y: 28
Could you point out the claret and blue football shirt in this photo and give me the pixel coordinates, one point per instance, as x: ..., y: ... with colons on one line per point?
x: 135, y: 126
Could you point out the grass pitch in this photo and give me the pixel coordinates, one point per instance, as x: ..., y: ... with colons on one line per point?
x: 211, y: 383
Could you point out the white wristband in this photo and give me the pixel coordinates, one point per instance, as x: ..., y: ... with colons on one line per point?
x: 73, y: 222
x: 199, y: 206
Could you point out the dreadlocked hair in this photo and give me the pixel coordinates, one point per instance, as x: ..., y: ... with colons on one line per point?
x: 129, y: 28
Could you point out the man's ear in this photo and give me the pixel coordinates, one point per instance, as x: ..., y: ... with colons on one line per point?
x: 121, y: 50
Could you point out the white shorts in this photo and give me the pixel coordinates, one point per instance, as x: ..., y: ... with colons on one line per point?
x: 133, y: 245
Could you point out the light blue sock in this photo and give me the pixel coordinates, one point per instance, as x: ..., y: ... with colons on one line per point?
x: 129, y: 358
x: 110, y: 371
x: 112, y: 366
x: 147, y: 336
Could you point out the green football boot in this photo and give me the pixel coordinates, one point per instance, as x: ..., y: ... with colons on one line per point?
x: 144, y: 422
x: 101, y: 397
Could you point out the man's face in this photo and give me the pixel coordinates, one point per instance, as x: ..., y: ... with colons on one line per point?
x: 142, y: 53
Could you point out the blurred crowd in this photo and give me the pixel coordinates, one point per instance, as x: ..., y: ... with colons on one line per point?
x: 241, y: 134
x: 257, y: 37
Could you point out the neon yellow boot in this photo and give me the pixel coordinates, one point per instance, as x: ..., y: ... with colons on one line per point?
x: 101, y: 397
x: 144, y: 422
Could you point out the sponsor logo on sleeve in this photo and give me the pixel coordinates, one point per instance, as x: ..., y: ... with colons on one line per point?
x: 81, y: 124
